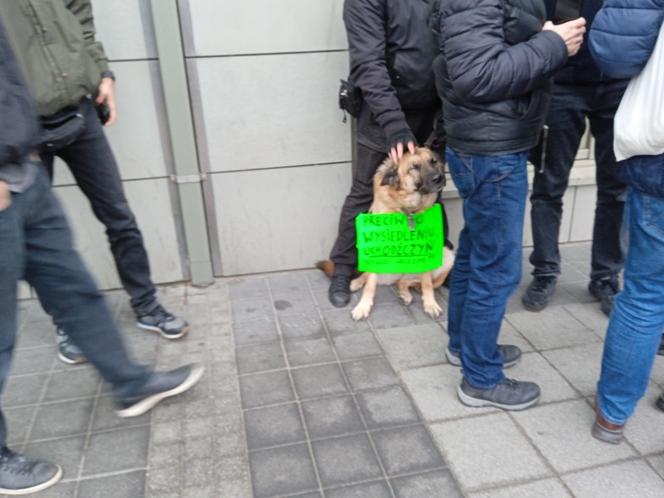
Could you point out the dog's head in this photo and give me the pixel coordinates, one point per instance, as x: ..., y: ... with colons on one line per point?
x: 414, y: 182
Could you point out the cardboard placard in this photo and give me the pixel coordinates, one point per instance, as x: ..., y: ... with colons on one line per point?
x: 390, y: 243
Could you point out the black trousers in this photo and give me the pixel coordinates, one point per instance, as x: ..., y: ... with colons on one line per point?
x: 369, y: 158
x: 570, y: 106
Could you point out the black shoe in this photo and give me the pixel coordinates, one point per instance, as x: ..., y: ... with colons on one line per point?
x: 660, y: 350
x: 511, y: 356
x: 605, y: 291
x: 21, y: 475
x: 660, y: 402
x: 68, y: 352
x: 167, y: 325
x: 159, y: 387
x: 339, y: 292
x: 539, y: 292
x: 508, y: 395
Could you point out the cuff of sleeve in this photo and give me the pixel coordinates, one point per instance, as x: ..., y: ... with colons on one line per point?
x: 108, y: 74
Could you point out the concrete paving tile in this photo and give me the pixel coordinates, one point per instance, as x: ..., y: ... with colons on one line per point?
x: 377, y: 489
x: 434, y: 390
x: 509, y: 335
x: 551, y: 328
x: 282, y: 471
x: 65, y: 452
x: 255, y: 332
x: 340, y: 322
x: 36, y: 334
x: 657, y: 372
x: 323, y: 301
x: 331, y: 417
x: 345, y: 460
x: 633, y: 479
x: 252, y: 309
x: 168, y: 455
x: 438, y: 484
x: 259, y: 357
x: 62, y: 419
x: 105, y: 417
x: 247, y: 288
x: 488, y: 451
x: 591, y: 316
x: 370, y: 374
x: 116, y: 451
x: 387, y: 407
x: 18, y: 422
x: 534, y: 368
x: 562, y: 433
x: 265, y: 389
x: 128, y: 485
x: 291, y: 283
x: 273, y: 426
x: 580, y: 365
x: 644, y: 428
x: 315, y: 382
x: 74, y: 383
x: 60, y: 490
x: 304, y: 326
x: 309, y: 351
x: 416, y: 310
x: 359, y: 345
x: 414, y: 345
x: 657, y: 462
x: 406, y: 450
x: 578, y: 291
x: 36, y: 360
x: 23, y: 390
x: 290, y: 304
x: 385, y: 316
x: 307, y: 495
x: 549, y: 488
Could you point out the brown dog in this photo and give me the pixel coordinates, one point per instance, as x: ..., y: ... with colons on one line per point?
x: 410, y: 186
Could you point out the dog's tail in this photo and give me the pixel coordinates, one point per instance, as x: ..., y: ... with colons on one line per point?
x: 326, y: 266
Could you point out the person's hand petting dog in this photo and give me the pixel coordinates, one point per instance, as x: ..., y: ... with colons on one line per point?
x: 107, y: 95
x: 399, y: 142
x: 5, y: 196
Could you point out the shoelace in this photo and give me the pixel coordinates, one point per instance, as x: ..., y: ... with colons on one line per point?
x: 16, y: 464
x: 339, y: 283
x: 541, y: 283
x: 162, y: 315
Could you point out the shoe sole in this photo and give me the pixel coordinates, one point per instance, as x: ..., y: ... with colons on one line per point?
x: 456, y: 362
x: 478, y: 403
x: 145, y: 405
x: 534, y: 308
x: 611, y: 437
x: 606, y: 310
x: 69, y: 361
x: 34, y: 489
x: 171, y: 337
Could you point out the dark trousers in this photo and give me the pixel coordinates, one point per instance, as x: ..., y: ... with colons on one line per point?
x: 93, y: 165
x: 570, y: 106
x: 36, y: 245
x: 344, y: 251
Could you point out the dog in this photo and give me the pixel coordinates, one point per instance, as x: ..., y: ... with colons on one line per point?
x: 410, y: 186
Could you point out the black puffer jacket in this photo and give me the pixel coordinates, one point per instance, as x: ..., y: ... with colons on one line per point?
x: 494, y: 73
x: 391, y: 56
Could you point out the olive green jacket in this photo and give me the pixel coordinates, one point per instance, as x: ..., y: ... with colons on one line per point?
x: 54, y: 41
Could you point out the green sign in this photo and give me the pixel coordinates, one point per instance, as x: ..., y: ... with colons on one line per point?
x: 396, y: 243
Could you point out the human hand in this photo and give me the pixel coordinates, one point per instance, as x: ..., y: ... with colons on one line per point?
x: 107, y: 95
x: 571, y: 32
x: 5, y: 196
x: 399, y: 142
x: 397, y: 151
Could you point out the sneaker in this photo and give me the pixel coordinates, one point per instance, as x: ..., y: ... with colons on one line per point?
x: 167, y: 325
x: 511, y: 356
x: 508, y: 395
x: 160, y: 386
x: 605, y: 291
x: 660, y: 350
x: 539, y: 292
x: 21, y: 475
x: 660, y: 402
x: 606, y: 431
x: 339, y: 292
x: 69, y: 352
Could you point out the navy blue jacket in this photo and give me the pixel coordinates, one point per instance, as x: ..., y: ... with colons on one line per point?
x: 624, y: 35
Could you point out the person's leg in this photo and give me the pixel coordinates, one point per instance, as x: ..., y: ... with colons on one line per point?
x: 637, y: 320
x: 458, y: 290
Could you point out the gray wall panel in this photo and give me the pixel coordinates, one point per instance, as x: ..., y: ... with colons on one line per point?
x: 125, y: 28
x: 271, y: 111
x: 223, y: 27
x: 278, y: 219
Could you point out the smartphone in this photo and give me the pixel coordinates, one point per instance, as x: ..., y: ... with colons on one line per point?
x: 103, y: 112
x: 567, y: 10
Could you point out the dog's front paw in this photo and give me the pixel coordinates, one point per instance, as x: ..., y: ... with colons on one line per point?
x: 406, y: 297
x: 361, y: 311
x: 432, y: 309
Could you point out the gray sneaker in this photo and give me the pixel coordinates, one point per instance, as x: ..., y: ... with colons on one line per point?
x: 511, y: 356
x: 167, y: 325
x: 69, y: 352
x: 21, y: 475
x: 508, y: 395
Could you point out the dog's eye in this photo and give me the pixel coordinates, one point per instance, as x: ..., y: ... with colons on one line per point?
x: 417, y: 167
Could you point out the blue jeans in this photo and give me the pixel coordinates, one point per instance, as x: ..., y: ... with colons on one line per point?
x: 91, y: 161
x: 36, y: 245
x: 487, y: 268
x: 570, y: 106
x: 637, y: 320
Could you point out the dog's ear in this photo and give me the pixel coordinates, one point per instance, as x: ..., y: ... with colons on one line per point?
x: 391, y: 176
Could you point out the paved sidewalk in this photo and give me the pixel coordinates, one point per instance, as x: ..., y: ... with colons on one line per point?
x: 300, y: 401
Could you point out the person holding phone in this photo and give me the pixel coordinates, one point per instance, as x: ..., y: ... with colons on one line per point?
x: 68, y: 72
x: 494, y: 76
x: 581, y: 92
